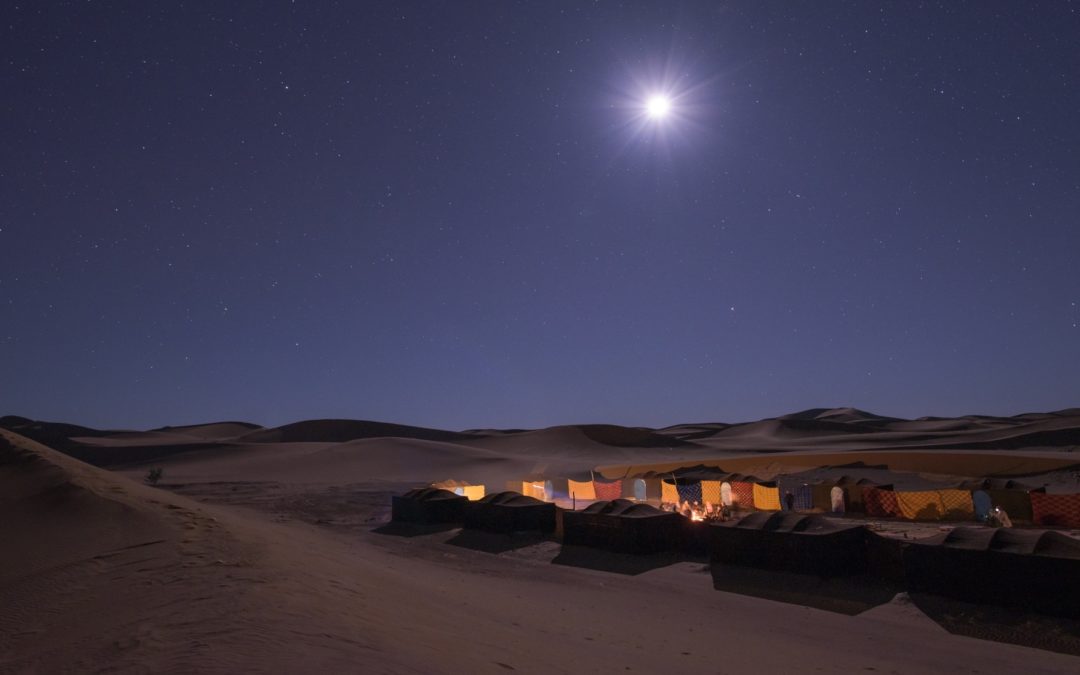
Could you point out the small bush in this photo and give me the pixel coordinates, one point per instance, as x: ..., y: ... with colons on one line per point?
x: 154, y: 475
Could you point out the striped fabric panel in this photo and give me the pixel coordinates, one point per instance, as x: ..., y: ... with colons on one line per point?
x: 689, y: 492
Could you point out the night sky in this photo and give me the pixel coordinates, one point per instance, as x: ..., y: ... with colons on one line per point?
x: 459, y: 214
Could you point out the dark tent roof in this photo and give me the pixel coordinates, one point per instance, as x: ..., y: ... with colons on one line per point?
x: 851, y: 480
x: 1008, y: 540
x: 786, y: 521
x: 702, y: 472
x: 509, y: 498
x: 744, y: 478
x: 430, y: 494
x: 623, y: 508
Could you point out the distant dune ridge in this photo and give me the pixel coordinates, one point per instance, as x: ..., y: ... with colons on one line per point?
x: 101, y: 572
x: 840, y: 429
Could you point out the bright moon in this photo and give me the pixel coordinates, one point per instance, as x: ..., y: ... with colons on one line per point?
x: 657, y: 107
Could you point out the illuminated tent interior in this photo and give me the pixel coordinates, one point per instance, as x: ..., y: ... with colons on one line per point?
x: 467, y: 490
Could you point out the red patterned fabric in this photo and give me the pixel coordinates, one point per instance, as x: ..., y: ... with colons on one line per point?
x: 880, y: 503
x: 1059, y: 510
x: 608, y: 490
x: 742, y: 494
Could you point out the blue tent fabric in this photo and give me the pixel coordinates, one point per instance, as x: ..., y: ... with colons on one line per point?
x: 689, y: 492
x: 981, y: 500
x: 804, y: 494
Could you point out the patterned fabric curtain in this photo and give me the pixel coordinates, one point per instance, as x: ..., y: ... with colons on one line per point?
x: 1058, y: 510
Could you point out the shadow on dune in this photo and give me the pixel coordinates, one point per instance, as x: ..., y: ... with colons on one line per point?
x: 413, y: 529
x: 494, y: 542
x: 619, y: 563
x: 843, y: 595
x: 1001, y: 624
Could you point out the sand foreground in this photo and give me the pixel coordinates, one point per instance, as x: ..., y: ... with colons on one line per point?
x: 103, y: 573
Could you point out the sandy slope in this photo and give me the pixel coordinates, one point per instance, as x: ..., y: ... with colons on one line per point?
x: 113, y: 575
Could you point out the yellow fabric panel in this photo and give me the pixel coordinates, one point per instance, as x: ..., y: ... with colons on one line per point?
x: 582, y: 490
x: 766, y: 498
x: 533, y: 490
x: 710, y: 492
x: 935, y: 504
x: 669, y: 494
x: 473, y: 492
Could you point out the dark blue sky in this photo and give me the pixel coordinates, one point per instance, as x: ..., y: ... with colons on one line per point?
x: 454, y: 214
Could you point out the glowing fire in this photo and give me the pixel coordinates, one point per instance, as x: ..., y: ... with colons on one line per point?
x: 695, y: 516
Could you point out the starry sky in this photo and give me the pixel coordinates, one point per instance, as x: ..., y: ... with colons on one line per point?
x: 458, y: 214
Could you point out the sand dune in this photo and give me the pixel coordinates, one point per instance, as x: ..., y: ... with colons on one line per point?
x: 216, y: 431
x: 339, y: 431
x: 123, y: 577
x: 385, y: 459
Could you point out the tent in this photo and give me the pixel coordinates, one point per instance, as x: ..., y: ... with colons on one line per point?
x: 880, y: 501
x: 581, y: 489
x: 536, y: 489
x: 623, y: 526
x: 557, y: 488
x: 837, y: 500
x: 726, y: 498
x: 472, y: 492
x: 980, y: 500
x: 670, y: 494
x: 1007, y: 494
x: 852, y: 488
x: 801, y: 490
x: 1058, y: 510
x: 653, y: 487
x: 1028, y: 569
x: 510, y: 512
x: 607, y: 489
x: 766, y: 497
x: 742, y: 494
x: 428, y: 506
x: 788, y: 541
x: 710, y: 492
x: 689, y: 491
x: 935, y: 504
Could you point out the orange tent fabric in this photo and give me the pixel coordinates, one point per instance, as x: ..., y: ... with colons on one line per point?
x: 710, y: 492
x: 669, y: 493
x: 935, y: 505
x: 766, y: 498
x: 533, y: 489
x: 582, y: 489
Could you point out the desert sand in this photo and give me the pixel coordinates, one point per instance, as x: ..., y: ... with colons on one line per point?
x: 267, y: 550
